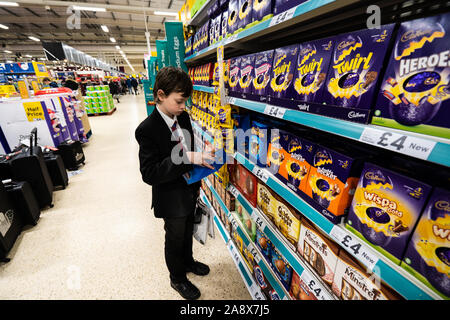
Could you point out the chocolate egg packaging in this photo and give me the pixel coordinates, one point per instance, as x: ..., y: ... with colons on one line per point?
x: 299, y: 290
x: 352, y: 281
x: 316, y: 249
x: 333, y: 179
x: 355, y: 67
x: 282, y: 268
x: 283, y: 68
x: 224, y: 23
x: 246, y: 74
x: 261, y: 72
x: 259, y: 143
x: 245, y: 13
x: 385, y: 209
x: 415, y: 92
x: 264, y: 284
x: 233, y: 16
x: 283, y: 5
x: 428, y: 254
x: 246, y: 219
x: 289, y: 158
x: 267, y: 202
x: 264, y: 244
x: 287, y: 221
x: 245, y: 182
x: 262, y: 10
x: 312, y: 66
x: 233, y: 80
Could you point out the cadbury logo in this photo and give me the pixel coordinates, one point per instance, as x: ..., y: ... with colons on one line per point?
x: 442, y: 205
x: 354, y: 114
x: 412, y: 34
x: 373, y: 176
x: 345, y: 44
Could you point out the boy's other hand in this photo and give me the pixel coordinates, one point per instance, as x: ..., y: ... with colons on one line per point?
x: 201, y: 158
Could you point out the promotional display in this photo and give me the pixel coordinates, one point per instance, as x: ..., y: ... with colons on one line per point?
x: 98, y: 99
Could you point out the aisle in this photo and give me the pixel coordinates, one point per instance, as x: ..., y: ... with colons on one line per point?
x: 100, y: 241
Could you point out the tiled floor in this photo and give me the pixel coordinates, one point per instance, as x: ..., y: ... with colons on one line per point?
x: 100, y: 240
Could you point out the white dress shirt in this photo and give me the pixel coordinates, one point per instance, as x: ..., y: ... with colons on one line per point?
x: 178, y: 132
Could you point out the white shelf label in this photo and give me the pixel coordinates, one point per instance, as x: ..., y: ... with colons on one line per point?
x: 274, y: 111
x: 260, y: 173
x: 357, y: 248
x: 284, y: 16
x: 254, y: 252
x: 255, y: 292
x: 231, y: 100
x: 315, y: 286
x: 258, y: 220
x: 232, y: 189
x: 410, y: 145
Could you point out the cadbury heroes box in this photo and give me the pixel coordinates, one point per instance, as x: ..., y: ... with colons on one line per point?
x: 355, y: 67
x: 261, y: 72
x: 385, y: 209
x: 415, y: 92
x: 283, y: 68
x: 311, y: 70
x: 246, y: 74
x: 428, y: 254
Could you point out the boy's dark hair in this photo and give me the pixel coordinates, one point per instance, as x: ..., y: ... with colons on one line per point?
x: 171, y: 79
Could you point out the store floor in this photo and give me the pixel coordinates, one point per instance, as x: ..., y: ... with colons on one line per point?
x: 100, y: 240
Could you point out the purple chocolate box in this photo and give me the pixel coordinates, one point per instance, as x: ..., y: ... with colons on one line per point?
x: 283, y: 67
x: 224, y: 23
x: 355, y: 67
x: 233, y: 79
x: 415, y: 92
x: 245, y: 13
x: 385, y: 209
x: 246, y: 73
x: 312, y: 66
x: 262, y: 72
x: 428, y: 251
x: 261, y: 9
x: 283, y: 5
x: 233, y: 16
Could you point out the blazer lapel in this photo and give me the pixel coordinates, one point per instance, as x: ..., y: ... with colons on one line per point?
x: 163, y: 133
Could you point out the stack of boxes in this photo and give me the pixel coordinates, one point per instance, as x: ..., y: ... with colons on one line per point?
x: 98, y: 99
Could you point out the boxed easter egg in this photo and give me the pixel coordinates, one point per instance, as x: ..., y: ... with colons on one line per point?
x: 264, y: 244
x: 245, y: 13
x: 246, y: 73
x: 259, y: 143
x: 282, y: 268
x: 267, y: 201
x: 283, y: 5
x: 299, y: 289
x: 233, y: 79
x: 261, y: 72
x: 233, y: 16
x: 246, y: 219
x: 283, y: 68
x: 287, y: 221
x: 262, y: 10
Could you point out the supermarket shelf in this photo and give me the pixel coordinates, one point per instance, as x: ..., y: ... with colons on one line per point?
x: 204, y: 88
x: 201, y: 16
x: 205, y: 135
x: 320, y: 290
x: 246, y: 275
x: 267, y: 270
x: 420, y: 146
x: 400, y: 280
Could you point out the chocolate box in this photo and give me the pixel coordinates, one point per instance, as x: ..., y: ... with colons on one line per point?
x: 299, y: 289
x: 385, y: 209
x: 355, y: 67
x: 261, y: 72
x: 233, y: 80
x: 267, y: 201
x: 290, y: 158
x: 264, y: 284
x: 428, y: 254
x: 242, y: 124
x: 245, y: 182
x: 230, y: 201
x: 264, y: 244
x: 259, y: 143
x: 332, y: 181
x: 217, y: 27
x: 283, y: 68
x: 245, y: 13
x: 246, y: 219
x: 283, y: 5
x: 317, y: 250
x: 246, y: 73
x: 262, y: 10
x: 352, y: 282
x: 282, y: 268
x: 212, y: 31
x: 287, y: 221
x: 415, y: 90
x: 224, y: 23
x: 312, y: 66
x: 233, y: 16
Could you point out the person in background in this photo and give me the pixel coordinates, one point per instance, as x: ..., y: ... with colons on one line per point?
x: 114, y: 90
x: 46, y: 83
x: 135, y: 84
x: 71, y: 84
x: 129, y: 85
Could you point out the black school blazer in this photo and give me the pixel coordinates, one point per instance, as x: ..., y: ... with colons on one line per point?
x: 171, y: 196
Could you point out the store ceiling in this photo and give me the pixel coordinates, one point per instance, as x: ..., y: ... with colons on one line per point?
x: 55, y: 21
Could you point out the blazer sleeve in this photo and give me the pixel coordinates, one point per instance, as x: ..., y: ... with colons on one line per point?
x: 153, y: 170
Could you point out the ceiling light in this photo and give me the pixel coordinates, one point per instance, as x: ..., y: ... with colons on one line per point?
x: 112, y: 40
x: 117, y: 47
x: 33, y: 38
x: 4, y: 27
x: 166, y: 13
x: 43, y: 59
x: 105, y: 28
x: 9, y: 61
x: 7, y: 51
x: 29, y: 56
x: 82, y: 8
x: 8, y: 3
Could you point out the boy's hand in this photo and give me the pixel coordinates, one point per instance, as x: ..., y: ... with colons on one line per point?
x: 200, y: 158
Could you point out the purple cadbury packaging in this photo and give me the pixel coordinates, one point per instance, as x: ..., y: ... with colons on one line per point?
x: 283, y: 5
x: 415, y: 92
x: 261, y: 9
x: 261, y: 72
x: 246, y: 73
x: 224, y: 22
x: 283, y: 67
x: 245, y: 13
x: 233, y: 16
x: 311, y: 72
x: 355, y: 67
x: 233, y: 79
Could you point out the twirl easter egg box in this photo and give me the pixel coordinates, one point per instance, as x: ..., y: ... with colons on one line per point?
x: 355, y: 67
x: 385, y: 209
x: 261, y: 72
x: 283, y: 68
x: 428, y: 254
x: 311, y: 71
x: 415, y: 92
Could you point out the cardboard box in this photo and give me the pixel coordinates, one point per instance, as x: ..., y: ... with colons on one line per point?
x: 233, y: 16
x: 264, y: 284
x: 261, y: 72
x: 259, y: 143
x: 282, y: 268
x: 267, y: 201
x: 262, y: 10
x: 299, y: 289
x: 246, y: 219
x: 283, y: 68
x: 246, y: 73
x: 245, y: 13
x: 287, y: 220
x: 283, y: 5
x: 233, y: 79
x: 246, y: 183
x: 264, y: 244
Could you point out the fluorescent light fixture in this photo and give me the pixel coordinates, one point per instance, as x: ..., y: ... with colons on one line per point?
x: 7, y: 51
x: 112, y: 40
x: 28, y: 56
x: 117, y: 47
x: 8, y: 4
x: 9, y: 61
x: 33, y: 38
x: 83, y: 8
x: 4, y: 27
x: 165, y: 13
x: 105, y: 28
x: 43, y: 59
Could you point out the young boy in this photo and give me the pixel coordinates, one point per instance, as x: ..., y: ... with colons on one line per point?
x: 172, y: 198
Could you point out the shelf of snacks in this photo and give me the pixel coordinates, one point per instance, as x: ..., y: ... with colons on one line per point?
x: 369, y: 256
x: 262, y: 272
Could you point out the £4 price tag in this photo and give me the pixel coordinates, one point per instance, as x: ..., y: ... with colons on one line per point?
x: 274, y: 111
x: 233, y: 191
x: 314, y: 286
x: 254, y: 252
x: 284, y: 16
x: 261, y: 174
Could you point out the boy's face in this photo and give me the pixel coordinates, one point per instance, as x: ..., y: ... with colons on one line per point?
x: 174, y: 104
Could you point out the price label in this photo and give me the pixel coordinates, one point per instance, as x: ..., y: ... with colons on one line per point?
x: 233, y: 191
x: 256, y: 292
x: 315, y: 286
x: 232, y: 38
x: 254, y: 253
x: 282, y: 17
x: 258, y: 220
x: 410, y: 145
x: 274, y: 111
x: 353, y: 245
x: 231, y: 100
x: 261, y: 174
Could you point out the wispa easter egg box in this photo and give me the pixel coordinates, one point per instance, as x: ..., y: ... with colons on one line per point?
x: 233, y: 16
x: 415, y: 91
x: 356, y: 66
x: 245, y: 13
x: 385, y: 209
x: 283, y: 68
x: 427, y: 256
